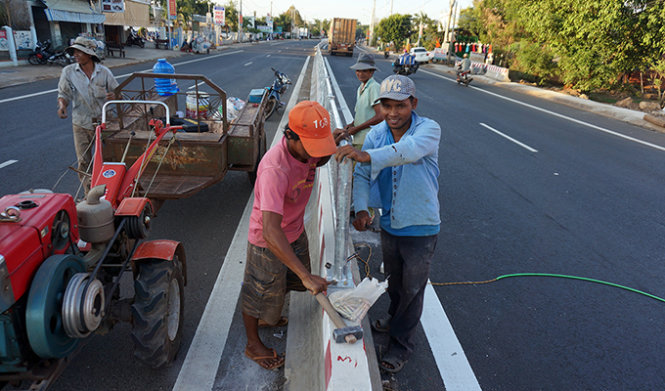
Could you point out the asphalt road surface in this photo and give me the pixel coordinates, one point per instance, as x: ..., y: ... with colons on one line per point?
x: 558, y: 197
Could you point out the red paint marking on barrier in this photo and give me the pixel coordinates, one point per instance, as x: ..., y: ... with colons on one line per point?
x: 339, y: 358
x: 328, y: 364
x: 323, y: 247
x: 320, y: 218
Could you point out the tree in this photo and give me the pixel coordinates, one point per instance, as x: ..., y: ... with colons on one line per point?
x: 396, y: 28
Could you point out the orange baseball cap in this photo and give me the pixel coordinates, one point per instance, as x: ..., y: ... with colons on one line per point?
x: 311, y: 122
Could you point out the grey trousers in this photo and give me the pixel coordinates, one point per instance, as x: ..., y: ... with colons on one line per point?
x: 406, y: 261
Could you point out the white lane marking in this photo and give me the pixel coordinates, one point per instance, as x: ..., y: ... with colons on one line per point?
x: 509, y: 138
x: 199, y: 370
x: 195, y: 85
x: 454, y: 368
x: 249, y: 63
x: 448, y: 354
x: 7, y: 163
x: 267, y: 55
x: 577, y: 121
x: 340, y: 98
x: 119, y: 77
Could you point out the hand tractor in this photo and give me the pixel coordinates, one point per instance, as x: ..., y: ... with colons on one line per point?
x: 61, y: 264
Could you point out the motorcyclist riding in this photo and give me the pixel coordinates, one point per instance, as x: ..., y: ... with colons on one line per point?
x: 464, y: 69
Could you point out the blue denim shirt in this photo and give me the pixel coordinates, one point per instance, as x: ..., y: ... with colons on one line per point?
x: 415, y: 199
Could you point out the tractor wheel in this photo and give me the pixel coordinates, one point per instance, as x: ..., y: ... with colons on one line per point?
x: 262, y: 151
x: 158, y: 311
x: 271, y: 106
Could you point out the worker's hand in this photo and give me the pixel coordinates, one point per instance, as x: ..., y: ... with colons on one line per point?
x: 362, y: 220
x: 62, y: 111
x: 315, y: 284
x: 110, y: 96
x: 339, y: 135
x: 352, y: 153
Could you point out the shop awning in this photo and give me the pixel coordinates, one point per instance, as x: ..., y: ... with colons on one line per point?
x: 74, y: 11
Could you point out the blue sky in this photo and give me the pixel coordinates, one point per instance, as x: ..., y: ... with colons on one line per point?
x: 360, y: 9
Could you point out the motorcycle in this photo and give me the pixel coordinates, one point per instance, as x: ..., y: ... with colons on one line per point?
x: 275, y: 91
x: 386, y: 54
x: 463, y: 76
x: 134, y: 39
x: 44, y: 55
x: 405, y: 65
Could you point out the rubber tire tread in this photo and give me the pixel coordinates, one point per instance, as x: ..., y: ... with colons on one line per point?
x: 271, y: 101
x: 150, y: 328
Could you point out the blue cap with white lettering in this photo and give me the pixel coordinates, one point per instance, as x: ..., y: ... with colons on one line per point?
x: 397, y: 87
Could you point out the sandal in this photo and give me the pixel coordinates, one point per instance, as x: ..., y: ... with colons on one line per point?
x: 381, y: 325
x: 267, y: 362
x: 283, y: 321
x: 392, y: 364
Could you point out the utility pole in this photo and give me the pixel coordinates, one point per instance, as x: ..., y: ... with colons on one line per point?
x: 452, y: 4
x: 371, y: 25
x: 240, y: 22
x: 391, y: 7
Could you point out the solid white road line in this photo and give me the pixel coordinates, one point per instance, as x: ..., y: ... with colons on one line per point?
x: 120, y: 76
x: 7, y: 163
x: 454, y: 368
x: 509, y: 138
x: 577, y: 121
x: 453, y: 365
x: 200, y: 367
x: 249, y: 63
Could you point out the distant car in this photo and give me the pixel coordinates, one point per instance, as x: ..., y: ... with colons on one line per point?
x: 422, y: 55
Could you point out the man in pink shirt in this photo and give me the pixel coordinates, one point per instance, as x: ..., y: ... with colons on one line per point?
x: 277, y: 249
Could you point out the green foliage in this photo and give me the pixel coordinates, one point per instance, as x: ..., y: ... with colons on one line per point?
x: 395, y: 28
x: 595, y: 42
x: 534, y: 60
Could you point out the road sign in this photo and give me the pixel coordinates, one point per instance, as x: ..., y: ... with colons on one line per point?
x: 173, y: 13
x: 220, y: 17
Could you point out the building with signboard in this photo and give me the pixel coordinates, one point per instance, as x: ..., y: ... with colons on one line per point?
x: 122, y: 14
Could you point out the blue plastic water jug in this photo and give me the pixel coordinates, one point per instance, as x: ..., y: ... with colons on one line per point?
x: 164, y: 87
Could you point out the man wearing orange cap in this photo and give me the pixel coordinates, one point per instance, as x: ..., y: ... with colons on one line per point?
x: 277, y: 252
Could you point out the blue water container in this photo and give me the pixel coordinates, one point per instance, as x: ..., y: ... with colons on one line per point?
x: 164, y: 87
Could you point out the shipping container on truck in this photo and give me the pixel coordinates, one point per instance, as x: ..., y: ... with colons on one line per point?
x: 342, y: 36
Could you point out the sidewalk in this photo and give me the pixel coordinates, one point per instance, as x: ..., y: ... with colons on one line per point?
x: 22, y: 74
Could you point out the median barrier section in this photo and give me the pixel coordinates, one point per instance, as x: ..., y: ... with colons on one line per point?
x: 316, y: 361
x: 497, y: 73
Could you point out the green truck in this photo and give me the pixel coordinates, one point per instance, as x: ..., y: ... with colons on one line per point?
x: 342, y: 36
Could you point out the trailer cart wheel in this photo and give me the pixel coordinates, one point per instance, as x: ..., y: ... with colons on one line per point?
x: 158, y: 311
x: 271, y: 106
x: 262, y: 151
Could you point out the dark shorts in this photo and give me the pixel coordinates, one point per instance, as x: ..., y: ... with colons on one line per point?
x: 267, y: 280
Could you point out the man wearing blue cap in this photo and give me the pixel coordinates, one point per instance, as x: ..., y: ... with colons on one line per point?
x: 400, y: 155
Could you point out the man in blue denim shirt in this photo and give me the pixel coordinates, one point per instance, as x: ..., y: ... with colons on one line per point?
x: 400, y: 156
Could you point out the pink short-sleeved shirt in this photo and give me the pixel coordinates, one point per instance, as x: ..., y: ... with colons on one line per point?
x: 283, y: 186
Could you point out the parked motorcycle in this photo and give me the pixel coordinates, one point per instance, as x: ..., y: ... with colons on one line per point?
x: 463, y: 76
x: 134, y: 39
x: 44, y: 55
x: 405, y: 65
x: 275, y: 91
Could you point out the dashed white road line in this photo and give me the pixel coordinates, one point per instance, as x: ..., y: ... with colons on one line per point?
x: 7, y: 163
x: 509, y: 138
x: 195, y: 85
x: 248, y: 64
x: 120, y: 76
x: 577, y: 121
